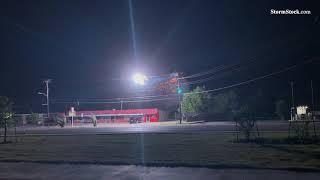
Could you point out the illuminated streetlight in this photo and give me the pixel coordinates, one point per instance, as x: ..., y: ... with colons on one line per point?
x: 139, y: 78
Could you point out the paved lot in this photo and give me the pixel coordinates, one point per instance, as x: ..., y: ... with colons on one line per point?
x: 150, y: 128
x: 23, y: 171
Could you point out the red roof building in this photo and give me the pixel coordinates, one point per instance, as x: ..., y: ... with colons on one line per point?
x: 118, y: 116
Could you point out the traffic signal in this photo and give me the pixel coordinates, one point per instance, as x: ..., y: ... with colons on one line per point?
x: 179, y: 90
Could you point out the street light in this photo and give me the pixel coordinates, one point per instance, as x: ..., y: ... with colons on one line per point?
x: 40, y: 93
x: 47, y: 81
x: 139, y: 79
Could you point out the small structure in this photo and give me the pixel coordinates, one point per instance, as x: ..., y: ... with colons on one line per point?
x: 73, y: 117
x: 300, y: 120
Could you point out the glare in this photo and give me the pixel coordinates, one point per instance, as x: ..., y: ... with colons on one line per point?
x: 139, y: 78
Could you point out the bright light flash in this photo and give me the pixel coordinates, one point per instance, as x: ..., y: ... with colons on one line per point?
x: 139, y: 78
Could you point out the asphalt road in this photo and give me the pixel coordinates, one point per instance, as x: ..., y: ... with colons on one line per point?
x: 23, y: 171
x: 271, y: 126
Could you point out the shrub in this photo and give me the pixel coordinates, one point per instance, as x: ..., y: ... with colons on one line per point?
x: 61, y: 121
x: 94, y: 120
x: 245, y: 121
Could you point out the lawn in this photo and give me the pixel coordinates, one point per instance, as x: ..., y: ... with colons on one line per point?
x: 201, y: 149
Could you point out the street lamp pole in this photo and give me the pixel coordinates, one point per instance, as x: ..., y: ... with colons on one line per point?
x: 312, y: 99
x: 48, y: 103
x: 312, y: 112
x: 292, y: 101
x: 47, y: 81
x: 180, y: 106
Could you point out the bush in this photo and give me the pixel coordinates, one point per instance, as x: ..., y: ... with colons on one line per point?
x: 245, y: 121
x: 33, y: 118
x: 61, y: 121
x: 94, y: 120
x: 282, y: 109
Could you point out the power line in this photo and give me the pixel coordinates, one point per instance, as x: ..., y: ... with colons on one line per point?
x: 210, y: 78
x: 252, y: 80
x: 223, y: 67
x: 206, y: 91
x: 125, y: 98
x: 115, y: 102
x: 215, y: 72
x: 167, y: 97
x: 204, y: 73
x: 149, y: 76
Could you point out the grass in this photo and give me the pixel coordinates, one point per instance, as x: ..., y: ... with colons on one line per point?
x: 201, y: 149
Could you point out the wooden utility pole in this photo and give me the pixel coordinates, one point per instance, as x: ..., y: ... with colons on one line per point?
x: 312, y: 110
x: 292, y: 101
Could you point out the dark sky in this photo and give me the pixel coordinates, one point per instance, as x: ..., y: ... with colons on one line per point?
x: 84, y: 45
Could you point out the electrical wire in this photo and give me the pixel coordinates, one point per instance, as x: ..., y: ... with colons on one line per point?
x: 206, y: 91
x: 252, y: 80
x: 223, y: 67
x: 125, y: 98
x: 213, y: 71
x: 113, y: 102
x: 211, y: 77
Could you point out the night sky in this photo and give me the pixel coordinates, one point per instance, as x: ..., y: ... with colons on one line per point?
x: 87, y: 46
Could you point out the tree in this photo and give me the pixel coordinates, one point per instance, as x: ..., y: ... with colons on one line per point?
x: 33, y: 118
x: 282, y: 109
x: 223, y: 103
x: 94, y: 120
x: 194, y: 102
x: 5, y: 114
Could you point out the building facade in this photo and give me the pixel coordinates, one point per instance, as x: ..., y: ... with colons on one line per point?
x: 116, y: 116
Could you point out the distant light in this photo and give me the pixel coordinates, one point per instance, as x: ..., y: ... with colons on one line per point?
x: 179, y: 90
x: 139, y: 78
x: 40, y: 93
x: 302, y: 110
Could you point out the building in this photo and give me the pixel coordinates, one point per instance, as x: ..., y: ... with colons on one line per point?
x: 118, y: 116
x: 102, y: 116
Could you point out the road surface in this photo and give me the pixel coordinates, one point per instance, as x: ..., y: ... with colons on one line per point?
x: 271, y: 126
x: 23, y: 171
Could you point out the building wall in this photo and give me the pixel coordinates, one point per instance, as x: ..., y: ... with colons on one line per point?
x: 120, y: 116
x: 163, y: 115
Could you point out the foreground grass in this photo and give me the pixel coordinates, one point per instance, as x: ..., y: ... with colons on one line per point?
x: 202, y: 149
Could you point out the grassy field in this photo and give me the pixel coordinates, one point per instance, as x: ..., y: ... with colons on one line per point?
x: 202, y: 149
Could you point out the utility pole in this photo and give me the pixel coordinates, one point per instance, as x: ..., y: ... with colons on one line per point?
x: 180, y: 106
x: 292, y: 100
x: 48, y: 103
x: 292, y: 96
x: 312, y: 112
x: 312, y: 99
x: 121, y: 102
x: 47, y: 81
